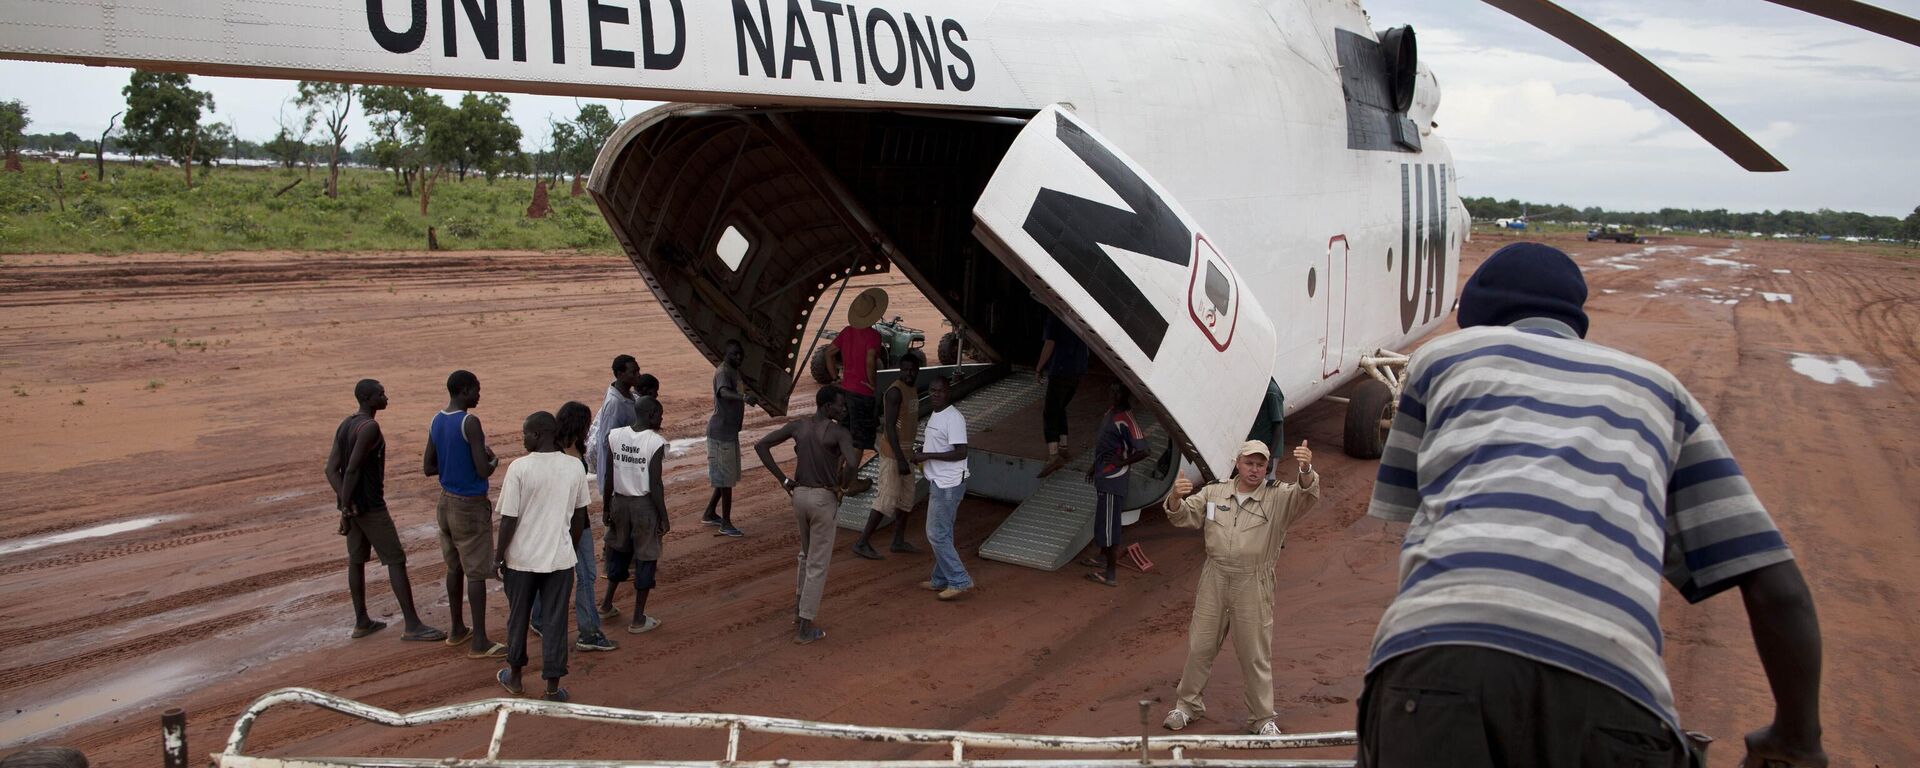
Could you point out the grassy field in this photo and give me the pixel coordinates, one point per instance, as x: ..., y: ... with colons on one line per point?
x: 142, y: 209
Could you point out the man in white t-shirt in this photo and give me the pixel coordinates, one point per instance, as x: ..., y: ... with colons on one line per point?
x: 943, y: 459
x: 543, y: 510
x: 635, y: 508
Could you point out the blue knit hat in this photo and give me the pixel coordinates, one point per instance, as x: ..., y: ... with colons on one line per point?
x: 1525, y: 280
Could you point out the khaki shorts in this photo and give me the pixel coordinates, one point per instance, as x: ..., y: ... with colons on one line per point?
x: 893, y: 492
x: 723, y: 463
x: 466, y: 534
x: 634, y: 528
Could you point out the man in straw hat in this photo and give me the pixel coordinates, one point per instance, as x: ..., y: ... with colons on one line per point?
x: 1245, y: 519
x: 860, y: 351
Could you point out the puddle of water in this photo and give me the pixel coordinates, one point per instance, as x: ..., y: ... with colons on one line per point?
x: 1608, y: 291
x: 1832, y: 370
x: 1672, y: 283
x: 1715, y: 261
x: 23, y: 545
x: 684, y: 446
x: 131, y: 690
x: 1784, y: 298
x: 1783, y: 271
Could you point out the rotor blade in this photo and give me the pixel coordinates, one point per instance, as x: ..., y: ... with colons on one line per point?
x: 1872, y: 19
x: 1652, y: 82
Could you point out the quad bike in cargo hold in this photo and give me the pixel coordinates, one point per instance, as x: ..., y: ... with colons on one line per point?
x: 896, y: 341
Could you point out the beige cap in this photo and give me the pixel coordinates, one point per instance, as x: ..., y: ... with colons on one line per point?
x: 1252, y: 447
x: 867, y: 308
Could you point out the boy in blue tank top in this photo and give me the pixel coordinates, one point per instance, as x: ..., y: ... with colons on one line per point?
x: 458, y: 455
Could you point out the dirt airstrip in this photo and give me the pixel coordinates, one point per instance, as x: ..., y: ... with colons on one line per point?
x: 168, y: 537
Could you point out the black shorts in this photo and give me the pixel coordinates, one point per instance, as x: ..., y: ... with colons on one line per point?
x: 1053, y: 413
x: 372, y: 532
x: 1449, y: 706
x: 862, y: 419
x: 1106, y: 519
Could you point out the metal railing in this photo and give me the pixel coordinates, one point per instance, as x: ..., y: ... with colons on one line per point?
x: 1142, y: 747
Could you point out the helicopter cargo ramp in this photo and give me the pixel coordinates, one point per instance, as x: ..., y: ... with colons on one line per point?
x: 1053, y: 524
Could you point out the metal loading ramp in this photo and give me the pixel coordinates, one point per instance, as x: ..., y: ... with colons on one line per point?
x: 983, y: 408
x: 1056, y: 522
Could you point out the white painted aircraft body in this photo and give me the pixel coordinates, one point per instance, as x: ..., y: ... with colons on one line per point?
x: 1234, y: 111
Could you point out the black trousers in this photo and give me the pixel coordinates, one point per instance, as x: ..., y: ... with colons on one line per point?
x: 554, y: 592
x: 1473, y: 707
x: 1053, y: 409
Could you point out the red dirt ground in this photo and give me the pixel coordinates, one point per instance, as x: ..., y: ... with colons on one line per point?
x: 203, y: 390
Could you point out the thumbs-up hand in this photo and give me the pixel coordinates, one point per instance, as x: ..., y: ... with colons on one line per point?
x: 1304, y: 455
x: 1182, y: 487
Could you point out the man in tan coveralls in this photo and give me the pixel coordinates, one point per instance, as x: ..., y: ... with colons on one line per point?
x: 1245, y: 520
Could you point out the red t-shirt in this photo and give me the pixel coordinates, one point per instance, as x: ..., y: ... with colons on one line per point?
x: 853, y: 344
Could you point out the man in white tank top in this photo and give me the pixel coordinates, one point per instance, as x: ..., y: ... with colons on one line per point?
x: 635, y: 508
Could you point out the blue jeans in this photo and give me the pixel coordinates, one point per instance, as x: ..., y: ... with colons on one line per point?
x: 942, y: 505
x: 585, y: 613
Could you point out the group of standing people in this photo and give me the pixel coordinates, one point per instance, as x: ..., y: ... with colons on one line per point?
x: 830, y: 446
x: 543, y: 549
x: 1548, y: 483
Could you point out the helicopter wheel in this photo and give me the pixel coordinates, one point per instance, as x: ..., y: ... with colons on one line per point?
x: 1369, y: 415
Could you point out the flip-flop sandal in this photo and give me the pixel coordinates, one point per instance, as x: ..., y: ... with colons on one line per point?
x: 498, y: 651
x: 648, y: 624
x: 1102, y: 579
x: 1093, y: 562
x: 816, y: 634
x: 455, y: 641
x: 360, y: 632
x: 501, y: 676
x: 558, y: 694
x: 425, y: 635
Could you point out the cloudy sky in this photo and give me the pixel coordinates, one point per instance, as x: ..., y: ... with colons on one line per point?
x: 1527, y: 117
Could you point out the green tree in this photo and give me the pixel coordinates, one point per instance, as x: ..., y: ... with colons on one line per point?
x: 478, y: 135
x: 213, y: 142
x: 399, y: 118
x: 13, y: 126
x: 286, y: 148
x: 329, y: 105
x: 577, y: 143
x: 163, y: 116
x: 1912, y: 225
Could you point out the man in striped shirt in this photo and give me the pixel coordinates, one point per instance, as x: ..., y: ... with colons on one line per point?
x: 1549, y: 484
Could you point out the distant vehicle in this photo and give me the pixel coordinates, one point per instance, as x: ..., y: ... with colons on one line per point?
x: 1615, y: 233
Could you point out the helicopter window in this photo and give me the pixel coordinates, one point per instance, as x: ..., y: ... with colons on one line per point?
x: 732, y: 248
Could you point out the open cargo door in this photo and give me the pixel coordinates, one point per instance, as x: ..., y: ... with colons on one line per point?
x: 1116, y: 257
